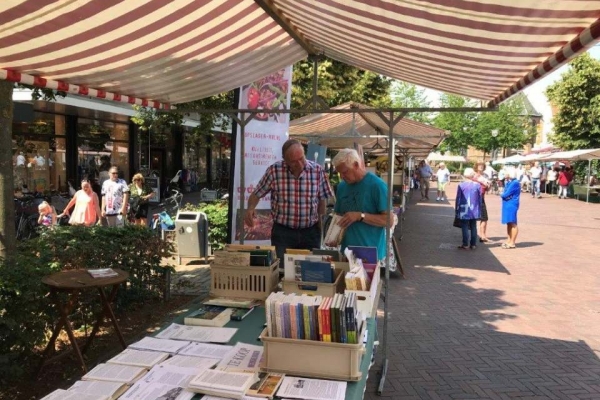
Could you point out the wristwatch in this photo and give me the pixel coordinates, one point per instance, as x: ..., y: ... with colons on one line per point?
x: 362, y: 217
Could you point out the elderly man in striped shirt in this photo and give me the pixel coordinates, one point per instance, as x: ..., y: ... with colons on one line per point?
x: 299, y: 190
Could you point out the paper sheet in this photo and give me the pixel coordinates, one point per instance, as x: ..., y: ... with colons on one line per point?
x: 205, y: 350
x: 197, y: 333
x: 312, y: 389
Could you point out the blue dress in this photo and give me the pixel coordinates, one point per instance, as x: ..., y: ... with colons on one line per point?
x: 510, y: 202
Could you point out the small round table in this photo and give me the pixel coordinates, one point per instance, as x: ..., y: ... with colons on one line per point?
x: 73, y: 282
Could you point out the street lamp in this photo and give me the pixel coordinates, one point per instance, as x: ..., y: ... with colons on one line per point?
x: 494, y: 135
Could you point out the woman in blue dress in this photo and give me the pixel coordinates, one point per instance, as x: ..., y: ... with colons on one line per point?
x: 510, y: 207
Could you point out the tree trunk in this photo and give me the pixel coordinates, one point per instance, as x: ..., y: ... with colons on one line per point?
x: 8, y: 239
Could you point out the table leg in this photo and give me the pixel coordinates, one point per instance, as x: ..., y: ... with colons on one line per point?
x: 105, y: 312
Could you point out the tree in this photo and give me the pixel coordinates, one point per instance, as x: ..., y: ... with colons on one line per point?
x: 338, y: 84
x: 407, y: 95
x: 459, y: 125
x: 8, y: 238
x: 577, y: 97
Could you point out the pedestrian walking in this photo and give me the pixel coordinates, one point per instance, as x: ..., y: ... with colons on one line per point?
x: 140, y: 194
x: 535, y: 173
x: 87, y: 206
x: 443, y: 178
x: 425, y: 173
x: 115, y: 199
x: 510, y: 207
x: 467, y: 209
x: 564, y: 179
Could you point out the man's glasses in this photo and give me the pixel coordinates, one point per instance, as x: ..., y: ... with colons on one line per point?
x: 114, y: 173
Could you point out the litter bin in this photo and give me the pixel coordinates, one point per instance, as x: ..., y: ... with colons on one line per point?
x: 192, y: 234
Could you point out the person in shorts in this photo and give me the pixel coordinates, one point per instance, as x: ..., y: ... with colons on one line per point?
x: 443, y: 177
x: 115, y: 199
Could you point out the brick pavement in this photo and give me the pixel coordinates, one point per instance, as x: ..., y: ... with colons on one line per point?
x: 495, y: 323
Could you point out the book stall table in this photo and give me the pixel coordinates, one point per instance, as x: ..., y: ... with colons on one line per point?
x: 72, y: 282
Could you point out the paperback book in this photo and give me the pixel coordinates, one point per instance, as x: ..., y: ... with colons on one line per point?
x: 112, y: 390
x: 138, y: 358
x: 115, y: 373
x: 227, y: 384
x: 208, y: 315
x: 267, y: 385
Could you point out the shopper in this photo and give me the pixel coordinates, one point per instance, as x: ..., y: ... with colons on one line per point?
x: 485, y: 184
x: 115, y: 199
x: 510, y: 207
x: 87, y: 206
x: 362, y: 201
x: 425, y: 173
x: 467, y: 209
x: 47, y: 214
x: 140, y: 194
x: 564, y: 179
x: 535, y: 173
x: 443, y: 178
x: 299, y: 190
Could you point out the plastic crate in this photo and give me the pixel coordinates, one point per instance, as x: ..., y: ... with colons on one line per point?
x: 243, y: 281
x: 367, y: 299
x: 322, y: 289
x: 314, y: 359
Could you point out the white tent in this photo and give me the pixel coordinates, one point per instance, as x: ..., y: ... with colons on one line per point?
x: 515, y: 159
x: 445, y: 157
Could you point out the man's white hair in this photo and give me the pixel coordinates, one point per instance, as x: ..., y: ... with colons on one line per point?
x: 347, y: 157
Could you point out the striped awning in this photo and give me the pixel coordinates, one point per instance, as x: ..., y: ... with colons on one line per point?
x: 366, y: 128
x: 160, y: 51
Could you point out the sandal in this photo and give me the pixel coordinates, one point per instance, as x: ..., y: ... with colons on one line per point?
x: 462, y: 247
x: 484, y: 240
x: 506, y: 246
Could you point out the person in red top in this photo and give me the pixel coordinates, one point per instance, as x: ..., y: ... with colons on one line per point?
x: 299, y: 190
x: 564, y: 178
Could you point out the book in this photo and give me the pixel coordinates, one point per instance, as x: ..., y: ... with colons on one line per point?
x: 61, y: 394
x: 223, y: 383
x: 205, y: 350
x: 102, y: 273
x: 112, y: 390
x: 138, y: 358
x: 242, y: 358
x: 238, y: 314
x: 267, y: 385
x: 368, y: 255
x: 292, y: 269
x: 198, y: 364
x: 312, y: 389
x: 335, y: 232
x: 205, y: 334
x: 316, y: 271
x: 334, y: 255
x: 232, y: 302
x: 142, y: 390
x: 162, y: 345
x: 115, y: 373
x: 209, y: 315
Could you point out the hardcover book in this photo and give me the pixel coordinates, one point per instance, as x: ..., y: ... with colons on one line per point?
x: 335, y: 232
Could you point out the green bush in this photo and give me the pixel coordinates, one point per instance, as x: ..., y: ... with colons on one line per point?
x: 26, y: 312
x: 216, y: 213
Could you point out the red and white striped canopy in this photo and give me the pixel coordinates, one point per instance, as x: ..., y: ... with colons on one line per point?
x: 179, y: 50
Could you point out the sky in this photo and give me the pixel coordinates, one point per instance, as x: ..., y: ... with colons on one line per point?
x: 535, y: 93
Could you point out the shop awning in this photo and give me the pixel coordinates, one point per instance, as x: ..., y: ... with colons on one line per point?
x: 445, y: 158
x: 180, y: 50
x: 366, y: 128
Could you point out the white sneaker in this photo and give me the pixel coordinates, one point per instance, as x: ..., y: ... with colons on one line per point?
x: 443, y: 198
x: 438, y: 199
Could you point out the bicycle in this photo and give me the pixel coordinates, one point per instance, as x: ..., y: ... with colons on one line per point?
x: 162, y: 222
x: 26, y: 218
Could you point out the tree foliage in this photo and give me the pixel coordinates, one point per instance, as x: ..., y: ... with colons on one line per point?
x: 407, y: 95
x: 338, y: 84
x: 474, y: 129
x: 577, y: 98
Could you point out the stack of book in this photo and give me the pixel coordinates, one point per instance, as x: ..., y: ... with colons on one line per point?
x: 357, y: 278
x: 246, y: 255
x: 292, y: 266
x: 327, y: 319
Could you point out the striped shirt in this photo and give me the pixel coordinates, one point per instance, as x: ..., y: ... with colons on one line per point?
x: 295, y: 201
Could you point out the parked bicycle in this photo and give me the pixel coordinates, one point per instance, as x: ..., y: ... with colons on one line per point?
x: 163, y: 221
x: 26, y: 216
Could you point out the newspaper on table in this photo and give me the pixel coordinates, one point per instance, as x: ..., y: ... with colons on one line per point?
x: 139, y: 358
x: 112, y: 390
x: 142, y: 390
x: 205, y: 350
x: 198, y: 364
x: 102, y: 273
x: 197, y: 333
x: 114, y: 373
x: 312, y: 389
x: 243, y: 357
x: 61, y: 394
x: 162, y: 345
x: 223, y: 383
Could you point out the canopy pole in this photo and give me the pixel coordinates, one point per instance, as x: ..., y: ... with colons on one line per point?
x: 587, y: 185
x: 391, y: 122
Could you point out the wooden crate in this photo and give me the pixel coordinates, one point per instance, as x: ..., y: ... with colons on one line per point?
x: 322, y: 289
x: 314, y: 359
x: 243, y: 281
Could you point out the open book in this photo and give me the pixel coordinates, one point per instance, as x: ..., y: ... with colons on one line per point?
x: 61, y: 394
x: 335, y: 233
x: 138, y: 358
x: 111, y: 390
x: 115, y: 373
x: 222, y: 383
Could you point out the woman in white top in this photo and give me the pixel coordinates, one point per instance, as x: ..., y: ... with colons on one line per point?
x: 443, y: 177
x: 551, y: 179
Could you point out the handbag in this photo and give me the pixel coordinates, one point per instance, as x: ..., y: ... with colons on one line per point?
x: 134, y: 204
x: 457, y: 223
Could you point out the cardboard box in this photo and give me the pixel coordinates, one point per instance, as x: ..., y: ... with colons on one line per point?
x: 310, y: 358
x: 322, y: 289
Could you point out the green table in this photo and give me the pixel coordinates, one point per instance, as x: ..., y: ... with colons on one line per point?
x: 250, y: 328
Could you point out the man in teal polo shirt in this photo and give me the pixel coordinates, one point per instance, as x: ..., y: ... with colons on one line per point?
x: 362, y: 200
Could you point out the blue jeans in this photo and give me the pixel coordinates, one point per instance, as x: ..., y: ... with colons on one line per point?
x: 466, y: 226
x: 535, y: 187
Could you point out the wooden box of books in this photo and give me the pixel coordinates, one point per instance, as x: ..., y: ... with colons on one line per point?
x: 311, y: 358
x: 367, y: 299
x: 243, y: 281
x: 317, y: 288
